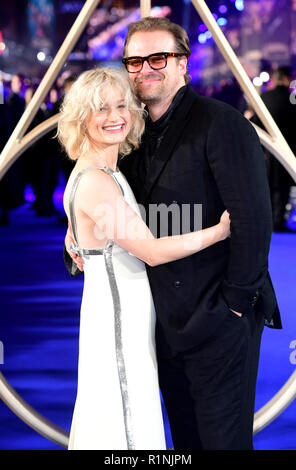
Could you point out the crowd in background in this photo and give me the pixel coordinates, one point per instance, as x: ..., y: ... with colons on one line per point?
x: 42, y: 163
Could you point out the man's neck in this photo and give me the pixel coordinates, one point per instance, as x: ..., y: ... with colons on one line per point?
x: 157, y: 109
x: 282, y: 83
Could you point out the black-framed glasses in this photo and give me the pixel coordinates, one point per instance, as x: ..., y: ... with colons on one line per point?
x: 156, y: 61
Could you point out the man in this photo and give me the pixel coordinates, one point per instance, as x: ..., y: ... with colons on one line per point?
x: 283, y: 111
x: 4, y: 182
x: 211, y: 306
x: 16, y: 106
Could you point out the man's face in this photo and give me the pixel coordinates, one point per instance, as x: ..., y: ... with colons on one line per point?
x: 154, y: 86
x: 16, y: 84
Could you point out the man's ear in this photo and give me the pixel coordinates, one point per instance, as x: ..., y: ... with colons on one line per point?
x: 183, y: 65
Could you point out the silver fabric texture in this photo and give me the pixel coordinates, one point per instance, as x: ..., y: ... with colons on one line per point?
x: 118, y: 345
x: 84, y: 252
x: 71, y: 202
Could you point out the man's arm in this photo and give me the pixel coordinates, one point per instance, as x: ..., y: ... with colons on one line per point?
x: 237, y: 162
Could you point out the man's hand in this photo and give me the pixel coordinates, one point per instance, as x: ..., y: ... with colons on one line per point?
x: 68, y: 240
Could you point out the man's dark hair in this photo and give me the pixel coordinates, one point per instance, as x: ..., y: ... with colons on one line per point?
x: 282, y: 72
x: 149, y: 24
x: 69, y: 80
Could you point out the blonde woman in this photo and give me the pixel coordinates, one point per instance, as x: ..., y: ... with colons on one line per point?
x: 118, y: 404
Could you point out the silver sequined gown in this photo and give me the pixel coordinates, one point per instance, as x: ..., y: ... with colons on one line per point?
x: 118, y: 403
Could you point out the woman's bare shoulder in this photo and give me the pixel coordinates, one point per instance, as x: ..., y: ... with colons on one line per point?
x: 96, y: 185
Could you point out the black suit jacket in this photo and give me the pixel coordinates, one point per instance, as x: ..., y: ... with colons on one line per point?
x: 209, y: 155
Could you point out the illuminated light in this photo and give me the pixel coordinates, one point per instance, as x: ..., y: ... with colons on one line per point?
x: 222, y: 21
x: 257, y: 81
x: 264, y: 76
x: 223, y: 9
x: 202, y: 28
x: 2, y: 47
x: 202, y: 38
x: 239, y: 5
x: 215, y: 16
x: 41, y: 56
x: 208, y: 34
x: 29, y: 194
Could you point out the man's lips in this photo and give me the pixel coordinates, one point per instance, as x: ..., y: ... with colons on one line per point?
x: 148, y: 79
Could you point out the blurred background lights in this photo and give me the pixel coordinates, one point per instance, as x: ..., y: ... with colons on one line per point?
x: 222, y: 21
x: 264, y: 76
x: 257, y: 81
x: 223, y: 9
x: 202, y: 28
x: 41, y: 56
x: 202, y: 38
x: 239, y: 5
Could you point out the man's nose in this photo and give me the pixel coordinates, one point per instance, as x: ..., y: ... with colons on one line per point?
x: 146, y: 67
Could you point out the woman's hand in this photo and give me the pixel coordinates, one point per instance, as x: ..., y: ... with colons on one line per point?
x: 225, y: 225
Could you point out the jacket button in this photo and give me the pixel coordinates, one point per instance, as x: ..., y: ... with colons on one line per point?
x: 177, y: 283
x: 254, y: 300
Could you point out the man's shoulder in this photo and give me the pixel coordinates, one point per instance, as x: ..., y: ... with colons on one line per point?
x: 210, y: 106
x: 279, y: 92
x: 209, y: 109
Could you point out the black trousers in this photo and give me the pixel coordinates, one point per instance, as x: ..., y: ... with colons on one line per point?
x: 209, y: 392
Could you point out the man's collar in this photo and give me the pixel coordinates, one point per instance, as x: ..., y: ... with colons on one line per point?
x: 176, y: 100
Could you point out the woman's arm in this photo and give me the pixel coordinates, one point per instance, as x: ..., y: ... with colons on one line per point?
x: 99, y: 197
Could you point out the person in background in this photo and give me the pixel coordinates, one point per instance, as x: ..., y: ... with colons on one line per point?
x: 16, y: 106
x: 5, y: 191
x: 60, y: 162
x: 277, y: 101
x: 38, y: 165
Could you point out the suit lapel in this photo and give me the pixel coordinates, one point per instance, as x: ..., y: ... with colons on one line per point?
x: 169, y: 141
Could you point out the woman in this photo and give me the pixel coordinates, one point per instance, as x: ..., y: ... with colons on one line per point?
x: 118, y: 404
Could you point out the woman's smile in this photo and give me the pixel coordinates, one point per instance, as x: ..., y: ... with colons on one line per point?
x: 114, y: 128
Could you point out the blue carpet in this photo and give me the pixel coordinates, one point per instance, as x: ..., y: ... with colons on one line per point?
x: 39, y: 331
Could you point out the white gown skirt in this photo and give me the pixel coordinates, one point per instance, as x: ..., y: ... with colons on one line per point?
x: 118, y: 403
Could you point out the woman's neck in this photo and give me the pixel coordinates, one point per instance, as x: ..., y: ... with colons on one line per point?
x: 102, y: 157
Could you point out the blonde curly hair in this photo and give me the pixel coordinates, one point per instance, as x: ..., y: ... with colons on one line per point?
x: 84, y: 97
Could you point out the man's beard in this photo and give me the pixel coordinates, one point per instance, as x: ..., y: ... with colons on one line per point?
x: 146, y: 95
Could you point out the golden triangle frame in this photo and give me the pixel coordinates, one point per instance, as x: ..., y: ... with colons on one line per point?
x: 273, y: 140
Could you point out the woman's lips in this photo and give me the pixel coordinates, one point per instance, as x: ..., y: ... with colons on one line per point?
x: 114, y: 128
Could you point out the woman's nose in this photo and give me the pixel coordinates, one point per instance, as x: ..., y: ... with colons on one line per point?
x: 113, y: 113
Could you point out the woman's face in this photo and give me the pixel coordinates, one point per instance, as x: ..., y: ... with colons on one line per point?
x: 111, y: 123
